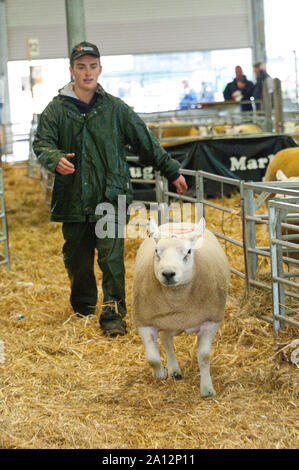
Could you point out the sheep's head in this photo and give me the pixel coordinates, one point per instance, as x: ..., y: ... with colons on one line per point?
x: 280, y: 176
x: 174, y: 255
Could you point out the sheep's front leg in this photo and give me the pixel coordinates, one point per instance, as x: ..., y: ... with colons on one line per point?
x: 149, y: 337
x: 205, y: 337
x: 172, y: 364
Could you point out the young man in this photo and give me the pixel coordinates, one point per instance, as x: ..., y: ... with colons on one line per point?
x: 240, y: 89
x: 81, y: 137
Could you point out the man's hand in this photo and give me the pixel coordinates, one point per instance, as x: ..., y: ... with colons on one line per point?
x: 64, y: 167
x: 180, y: 184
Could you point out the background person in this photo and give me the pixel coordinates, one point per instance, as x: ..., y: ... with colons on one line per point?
x: 261, y: 76
x: 240, y: 89
x: 81, y: 137
x: 189, y: 98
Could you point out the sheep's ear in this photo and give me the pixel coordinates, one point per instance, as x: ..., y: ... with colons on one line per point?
x: 198, y: 231
x: 200, y: 227
x: 280, y: 176
x: 152, y: 228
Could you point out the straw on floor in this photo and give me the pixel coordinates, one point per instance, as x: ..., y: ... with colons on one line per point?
x: 63, y: 384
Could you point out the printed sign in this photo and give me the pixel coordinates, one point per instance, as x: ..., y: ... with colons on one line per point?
x: 244, y: 158
x: 32, y: 48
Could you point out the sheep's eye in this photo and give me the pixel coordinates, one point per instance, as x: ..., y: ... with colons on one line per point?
x: 188, y: 253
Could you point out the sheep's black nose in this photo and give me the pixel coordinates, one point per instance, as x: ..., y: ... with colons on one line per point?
x: 169, y: 275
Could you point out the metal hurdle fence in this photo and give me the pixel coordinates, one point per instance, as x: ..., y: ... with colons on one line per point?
x: 282, y: 287
x: 214, y: 113
x: 201, y: 124
x: 33, y: 166
x: 4, y: 251
x: 291, y: 123
x: 252, y: 196
x: 47, y: 182
x: 255, y: 195
x: 201, y: 177
x: 35, y: 169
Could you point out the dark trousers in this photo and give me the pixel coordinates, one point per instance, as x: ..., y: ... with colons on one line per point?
x: 78, y: 255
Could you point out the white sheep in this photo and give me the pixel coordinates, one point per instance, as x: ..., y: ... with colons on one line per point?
x: 180, y: 284
x: 248, y: 128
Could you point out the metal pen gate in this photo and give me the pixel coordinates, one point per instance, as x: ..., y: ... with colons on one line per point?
x: 255, y: 195
x: 248, y: 206
x: 4, y: 251
x: 282, y: 286
x: 202, y: 203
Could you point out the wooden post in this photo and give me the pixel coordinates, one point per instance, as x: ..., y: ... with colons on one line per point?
x: 267, y: 106
x: 278, y: 108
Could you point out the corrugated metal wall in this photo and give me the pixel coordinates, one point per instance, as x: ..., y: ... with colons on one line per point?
x: 130, y: 26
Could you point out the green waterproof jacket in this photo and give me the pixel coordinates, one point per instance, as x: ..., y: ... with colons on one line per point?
x: 98, y: 140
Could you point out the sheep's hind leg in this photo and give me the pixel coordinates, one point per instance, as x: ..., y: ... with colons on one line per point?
x: 172, y: 364
x: 205, y: 337
x: 149, y: 337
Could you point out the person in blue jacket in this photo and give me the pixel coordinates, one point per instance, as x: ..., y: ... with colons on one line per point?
x: 189, y: 98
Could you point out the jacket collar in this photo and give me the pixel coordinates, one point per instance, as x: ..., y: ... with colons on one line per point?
x: 72, y: 110
x: 68, y: 90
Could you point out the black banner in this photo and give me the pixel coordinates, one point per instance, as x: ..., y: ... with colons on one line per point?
x: 146, y: 192
x: 243, y: 158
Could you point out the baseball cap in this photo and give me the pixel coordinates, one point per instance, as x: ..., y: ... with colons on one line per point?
x: 84, y: 48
